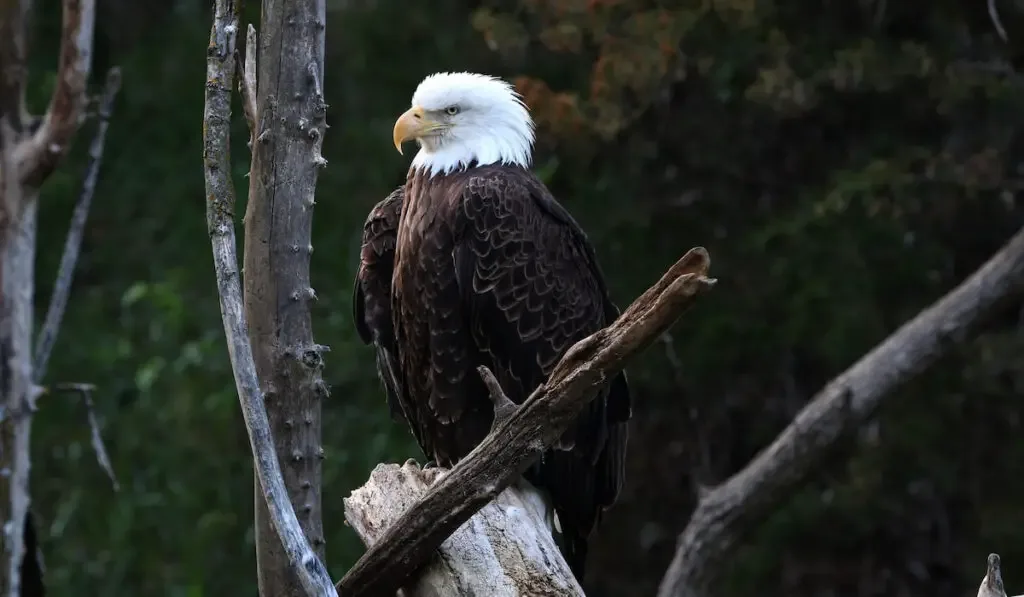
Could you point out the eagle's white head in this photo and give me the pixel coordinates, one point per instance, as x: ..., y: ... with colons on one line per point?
x: 458, y: 118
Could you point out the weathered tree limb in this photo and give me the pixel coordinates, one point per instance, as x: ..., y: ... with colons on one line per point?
x: 296, y: 554
x: 519, y: 440
x: 29, y: 156
x: 727, y: 512
x: 286, y: 159
x: 76, y: 230
x: 505, y: 550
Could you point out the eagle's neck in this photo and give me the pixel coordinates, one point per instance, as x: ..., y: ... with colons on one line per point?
x: 508, y: 143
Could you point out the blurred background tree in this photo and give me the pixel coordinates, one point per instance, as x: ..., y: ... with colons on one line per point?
x: 845, y: 163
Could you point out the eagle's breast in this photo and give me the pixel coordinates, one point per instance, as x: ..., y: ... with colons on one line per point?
x: 426, y: 307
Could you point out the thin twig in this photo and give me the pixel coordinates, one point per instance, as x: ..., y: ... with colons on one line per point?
x: 220, y: 207
x: 993, y: 14
x: 85, y: 390
x: 73, y: 243
x: 517, y: 442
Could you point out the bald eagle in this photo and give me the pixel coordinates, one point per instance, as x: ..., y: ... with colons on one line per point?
x: 473, y: 262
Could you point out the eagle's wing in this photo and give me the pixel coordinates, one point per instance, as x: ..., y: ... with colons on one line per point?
x: 371, y: 293
x: 532, y: 287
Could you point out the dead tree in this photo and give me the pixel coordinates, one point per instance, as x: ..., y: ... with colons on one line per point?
x: 289, y: 124
x: 275, y: 362
x: 30, y: 149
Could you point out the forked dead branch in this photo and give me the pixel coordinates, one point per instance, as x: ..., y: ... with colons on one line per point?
x: 30, y: 149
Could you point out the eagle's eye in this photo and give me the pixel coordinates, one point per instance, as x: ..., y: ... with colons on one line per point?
x: 452, y: 110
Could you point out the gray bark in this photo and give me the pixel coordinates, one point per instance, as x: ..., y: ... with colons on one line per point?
x: 18, y: 263
x: 291, y: 120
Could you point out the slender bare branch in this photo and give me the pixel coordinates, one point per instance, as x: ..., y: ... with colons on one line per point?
x: 38, y: 155
x: 727, y: 512
x: 220, y: 206
x: 993, y: 13
x: 85, y: 390
x: 73, y: 243
x: 517, y: 442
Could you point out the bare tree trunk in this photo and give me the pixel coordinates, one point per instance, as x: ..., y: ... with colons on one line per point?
x: 29, y: 152
x: 16, y: 342
x: 290, y: 126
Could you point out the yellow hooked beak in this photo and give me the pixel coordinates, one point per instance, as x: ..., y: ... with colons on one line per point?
x: 412, y: 124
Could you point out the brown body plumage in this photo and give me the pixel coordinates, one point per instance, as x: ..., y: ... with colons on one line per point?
x: 489, y: 269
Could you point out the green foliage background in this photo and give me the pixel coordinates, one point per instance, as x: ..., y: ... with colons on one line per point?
x: 844, y: 163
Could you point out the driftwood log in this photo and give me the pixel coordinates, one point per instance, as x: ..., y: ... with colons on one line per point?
x: 505, y: 550
x: 521, y: 433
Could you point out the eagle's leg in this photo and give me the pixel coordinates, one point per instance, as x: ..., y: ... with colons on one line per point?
x: 430, y: 464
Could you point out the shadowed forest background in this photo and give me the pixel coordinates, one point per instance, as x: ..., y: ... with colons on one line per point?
x: 845, y: 164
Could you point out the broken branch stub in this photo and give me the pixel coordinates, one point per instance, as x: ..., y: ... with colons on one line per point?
x: 38, y: 155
